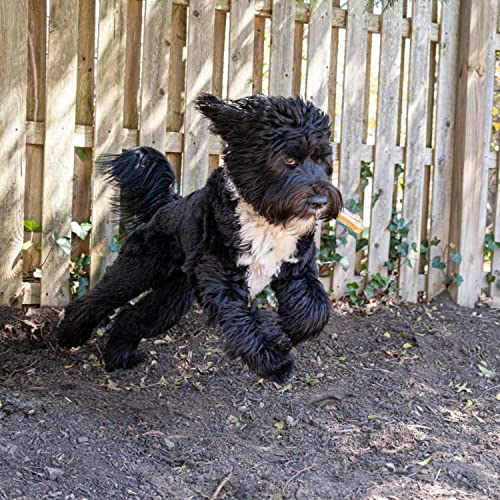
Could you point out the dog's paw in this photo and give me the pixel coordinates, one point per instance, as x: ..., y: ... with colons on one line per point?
x: 284, y: 374
x: 71, y: 335
x: 123, y: 360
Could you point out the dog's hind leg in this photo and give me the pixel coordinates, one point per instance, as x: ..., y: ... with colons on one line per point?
x: 158, y: 311
x: 143, y: 263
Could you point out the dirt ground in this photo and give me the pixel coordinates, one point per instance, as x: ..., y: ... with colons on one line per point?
x: 400, y: 402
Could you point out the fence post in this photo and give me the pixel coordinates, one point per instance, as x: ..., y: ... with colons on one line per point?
x: 473, y: 130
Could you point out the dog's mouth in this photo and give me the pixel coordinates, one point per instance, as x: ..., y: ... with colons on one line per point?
x: 324, y: 206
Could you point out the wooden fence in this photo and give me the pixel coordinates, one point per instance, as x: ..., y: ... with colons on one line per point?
x: 410, y: 92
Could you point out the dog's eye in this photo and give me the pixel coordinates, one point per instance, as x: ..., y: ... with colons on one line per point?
x: 291, y: 162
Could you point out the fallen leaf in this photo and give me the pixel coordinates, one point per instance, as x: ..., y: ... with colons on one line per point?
x: 487, y: 373
x: 426, y: 461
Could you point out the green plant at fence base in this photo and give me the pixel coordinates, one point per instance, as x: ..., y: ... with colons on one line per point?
x: 378, y: 286
x: 439, y: 262
x: 32, y: 227
x: 490, y: 247
x: 78, y: 280
x: 398, y: 244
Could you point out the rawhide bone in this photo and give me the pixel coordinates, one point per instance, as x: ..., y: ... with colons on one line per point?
x: 352, y: 221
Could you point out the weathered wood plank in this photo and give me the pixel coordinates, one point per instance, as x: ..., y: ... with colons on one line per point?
x: 241, y: 48
x: 132, y: 97
x: 473, y: 132
x: 318, y: 61
x: 176, y: 83
x: 60, y: 111
x: 199, y: 70
x: 298, y: 42
x: 13, y: 85
x: 386, y: 138
x: 332, y: 80
x: 155, y: 68
x: 416, y: 136
x: 352, y: 129
x: 444, y: 143
x: 110, y: 85
x: 258, y: 54
x: 282, y: 42
x: 319, y: 54
x: 431, y: 89
x: 495, y: 262
x: 37, y: 29
x: 218, y: 71
x: 84, y: 116
x: 218, y: 54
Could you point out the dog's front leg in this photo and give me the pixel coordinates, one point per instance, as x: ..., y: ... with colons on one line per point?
x: 255, y: 335
x: 304, y: 306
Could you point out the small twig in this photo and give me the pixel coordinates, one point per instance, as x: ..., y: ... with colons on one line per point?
x: 221, y: 485
x: 487, y: 390
x: 296, y: 475
x: 437, y: 475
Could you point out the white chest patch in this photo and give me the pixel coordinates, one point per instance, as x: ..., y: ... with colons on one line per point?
x: 266, y: 246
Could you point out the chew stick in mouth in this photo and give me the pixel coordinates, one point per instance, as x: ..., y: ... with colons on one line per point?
x: 352, y: 221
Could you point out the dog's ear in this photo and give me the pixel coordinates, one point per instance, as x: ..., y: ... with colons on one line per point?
x: 225, y: 116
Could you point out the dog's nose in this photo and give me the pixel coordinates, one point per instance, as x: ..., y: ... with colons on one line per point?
x: 318, y: 201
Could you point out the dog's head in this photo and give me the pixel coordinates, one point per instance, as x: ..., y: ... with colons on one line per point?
x: 278, y: 155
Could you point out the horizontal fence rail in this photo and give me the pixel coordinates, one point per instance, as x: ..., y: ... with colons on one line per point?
x: 410, y: 93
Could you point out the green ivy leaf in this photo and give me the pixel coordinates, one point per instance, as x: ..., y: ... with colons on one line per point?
x: 437, y: 263
x: 456, y: 258
x: 32, y: 226
x: 64, y: 244
x: 81, y: 230
x: 458, y: 279
x: 81, y: 153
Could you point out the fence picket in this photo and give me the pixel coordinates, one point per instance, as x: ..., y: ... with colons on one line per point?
x: 37, y: 38
x: 415, y: 145
x: 176, y: 82
x: 155, y: 69
x: 60, y: 110
x: 444, y: 141
x: 473, y: 128
x: 109, y: 106
x: 495, y: 262
x: 282, y: 43
x: 13, y: 84
x: 352, y: 129
x: 241, y: 48
x: 132, y: 97
x: 386, y: 138
x: 84, y: 116
x: 199, y: 70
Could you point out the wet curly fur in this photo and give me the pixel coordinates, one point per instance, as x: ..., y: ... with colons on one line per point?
x: 209, y: 245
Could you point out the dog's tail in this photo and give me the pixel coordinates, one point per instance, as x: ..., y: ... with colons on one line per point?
x: 145, y: 180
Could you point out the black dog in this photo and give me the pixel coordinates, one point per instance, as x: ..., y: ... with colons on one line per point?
x: 251, y: 225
